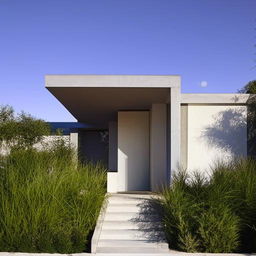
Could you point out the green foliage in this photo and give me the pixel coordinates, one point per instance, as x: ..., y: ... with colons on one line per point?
x: 217, y: 214
x: 219, y: 229
x: 249, y: 88
x: 6, y: 113
x: 48, y: 203
x: 22, y: 130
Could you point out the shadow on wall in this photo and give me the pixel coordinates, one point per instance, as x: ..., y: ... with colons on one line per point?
x: 228, y: 132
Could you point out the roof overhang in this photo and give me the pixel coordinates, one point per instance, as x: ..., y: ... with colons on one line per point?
x: 215, y: 98
x: 96, y: 99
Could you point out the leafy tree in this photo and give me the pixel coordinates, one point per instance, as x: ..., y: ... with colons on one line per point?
x: 251, y: 116
x: 20, y: 130
x: 6, y: 113
x: 249, y: 88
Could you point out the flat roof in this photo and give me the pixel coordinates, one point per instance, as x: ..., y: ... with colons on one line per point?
x: 214, y: 98
x: 95, y: 99
x: 131, y: 81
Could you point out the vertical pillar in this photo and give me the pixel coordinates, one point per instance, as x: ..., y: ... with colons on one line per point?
x: 112, y: 152
x: 112, y: 158
x: 184, y: 137
x: 74, y: 143
x: 175, y: 129
x: 158, y: 146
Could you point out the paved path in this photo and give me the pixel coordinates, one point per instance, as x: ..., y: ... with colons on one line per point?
x: 131, y: 225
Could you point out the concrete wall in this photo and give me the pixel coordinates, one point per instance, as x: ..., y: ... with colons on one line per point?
x: 215, y: 133
x: 184, y: 136
x: 46, y: 142
x: 112, y: 182
x: 174, y: 129
x: 112, y: 174
x: 158, y: 146
x: 133, y: 150
x: 112, y: 151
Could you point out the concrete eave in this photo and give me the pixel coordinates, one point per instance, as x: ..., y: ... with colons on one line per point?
x: 215, y: 98
x: 96, y: 99
x: 130, y: 81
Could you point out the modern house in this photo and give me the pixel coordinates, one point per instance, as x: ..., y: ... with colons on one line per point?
x: 144, y: 128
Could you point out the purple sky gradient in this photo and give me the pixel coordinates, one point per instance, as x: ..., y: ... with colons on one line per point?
x: 210, y: 43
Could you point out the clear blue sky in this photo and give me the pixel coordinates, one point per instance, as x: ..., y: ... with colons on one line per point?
x: 210, y: 43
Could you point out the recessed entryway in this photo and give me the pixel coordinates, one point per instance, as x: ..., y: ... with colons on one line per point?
x: 133, y: 151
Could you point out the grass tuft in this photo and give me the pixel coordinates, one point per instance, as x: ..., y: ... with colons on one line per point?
x: 215, y: 214
x: 47, y: 202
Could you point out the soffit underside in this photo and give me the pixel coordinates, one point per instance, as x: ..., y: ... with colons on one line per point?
x: 98, y: 106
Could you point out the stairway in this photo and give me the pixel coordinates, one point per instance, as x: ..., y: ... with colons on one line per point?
x: 131, y: 224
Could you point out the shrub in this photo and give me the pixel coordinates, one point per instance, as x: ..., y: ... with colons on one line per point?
x: 21, y: 130
x: 238, y: 179
x: 218, y: 229
x: 48, y: 203
x: 179, y: 209
x: 250, y: 87
x: 213, y: 215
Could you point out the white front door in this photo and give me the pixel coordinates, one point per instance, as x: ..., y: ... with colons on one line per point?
x: 133, y: 151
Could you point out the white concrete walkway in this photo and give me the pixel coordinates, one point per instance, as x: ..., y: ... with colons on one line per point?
x: 131, y: 224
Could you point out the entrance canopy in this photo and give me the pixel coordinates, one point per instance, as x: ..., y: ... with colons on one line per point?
x: 96, y: 99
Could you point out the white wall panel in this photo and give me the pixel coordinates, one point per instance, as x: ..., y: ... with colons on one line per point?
x: 215, y: 133
x: 133, y: 150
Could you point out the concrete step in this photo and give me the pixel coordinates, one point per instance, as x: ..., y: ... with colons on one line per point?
x: 129, y: 234
x: 124, y: 216
x: 125, y: 250
x: 121, y: 225
x: 129, y: 200
x: 136, y: 196
x: 130, y: 216
x: 123, y: 208
x: 131, y: 244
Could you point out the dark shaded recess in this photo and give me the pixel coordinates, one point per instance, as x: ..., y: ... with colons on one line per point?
x: 93, y: 146
x: 67, y: 127
x: 251, y: 126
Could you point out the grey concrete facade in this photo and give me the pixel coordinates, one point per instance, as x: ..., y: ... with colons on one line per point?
x: 175, y: 129
x: 175, y: 125
x: 112, y: 151
x: 158, y: 146
x: 184, y: 136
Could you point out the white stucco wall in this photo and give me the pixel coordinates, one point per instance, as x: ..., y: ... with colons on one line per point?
x: 133, y: 150
x: 46, y: 142
x: 112, y: 182
x: 215, y: 133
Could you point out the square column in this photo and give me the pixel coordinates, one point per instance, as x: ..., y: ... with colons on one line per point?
x: 158, y: 147
x: 74, y: 143
x: 112, y: 158
x: 112, y: 151
x: 174, y: 129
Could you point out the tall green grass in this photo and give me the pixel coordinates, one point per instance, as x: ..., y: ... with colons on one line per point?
x: 47, y: 202
x: 215, y: 214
